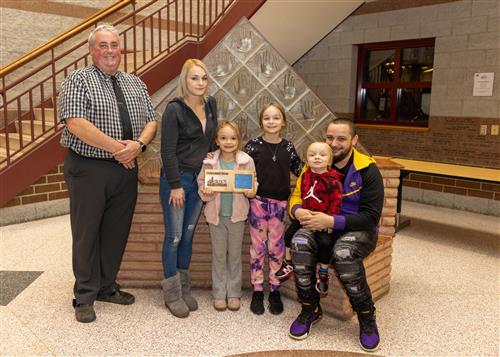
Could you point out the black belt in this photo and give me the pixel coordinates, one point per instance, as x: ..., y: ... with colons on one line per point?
x: 94, y: 158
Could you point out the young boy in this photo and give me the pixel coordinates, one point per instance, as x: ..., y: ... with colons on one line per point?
x: 321, y: 191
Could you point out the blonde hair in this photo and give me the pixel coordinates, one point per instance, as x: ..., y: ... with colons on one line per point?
x: 232, y: 125
x: 277, y: 106
x: 329, y: 150
x: 182, y: 84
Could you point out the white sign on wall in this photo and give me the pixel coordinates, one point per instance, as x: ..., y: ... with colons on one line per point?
x: 483, y: 84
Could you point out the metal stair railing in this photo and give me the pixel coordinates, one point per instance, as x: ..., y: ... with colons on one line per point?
x: 148, y: 33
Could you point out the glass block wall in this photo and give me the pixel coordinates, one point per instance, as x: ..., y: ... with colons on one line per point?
x: 246, y: 72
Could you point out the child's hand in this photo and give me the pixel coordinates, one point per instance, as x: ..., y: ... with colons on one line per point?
x: 207, y: 191
x: 301, y: 213
x: 210, y: 155
x: 316, y: 221
x: 249, y: 193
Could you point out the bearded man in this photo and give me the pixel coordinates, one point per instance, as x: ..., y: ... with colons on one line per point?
x: 355, y: 232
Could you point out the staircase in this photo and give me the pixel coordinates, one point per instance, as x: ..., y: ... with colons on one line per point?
x: 156, y: 37
x: 27, y: 133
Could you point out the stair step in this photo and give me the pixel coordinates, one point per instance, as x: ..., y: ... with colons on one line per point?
x: 38, y: 123
x: 130, y: 61
x: 14, y: 140
x: 26, y: 127
x: 37, y: 127
x: 27, y: 134
x: 14, y: 145
x: 49, y: 114
x: 3, y: 155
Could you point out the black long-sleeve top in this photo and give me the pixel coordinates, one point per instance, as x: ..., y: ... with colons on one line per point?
x: 184, y: 145
x: 274, y: 175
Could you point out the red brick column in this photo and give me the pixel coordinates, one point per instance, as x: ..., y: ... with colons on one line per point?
x: 142, y: 267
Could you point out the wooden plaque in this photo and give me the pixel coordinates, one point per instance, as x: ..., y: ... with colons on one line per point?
x: 229, y: 180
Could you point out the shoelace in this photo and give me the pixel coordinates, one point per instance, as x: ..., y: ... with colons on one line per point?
x: 323, y: 277
x: 367, y: 324
x: 304, y: 316
x: 274, y: 297
x: 258, y: 297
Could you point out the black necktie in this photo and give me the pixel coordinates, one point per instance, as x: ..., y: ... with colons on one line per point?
x: 122, y: 107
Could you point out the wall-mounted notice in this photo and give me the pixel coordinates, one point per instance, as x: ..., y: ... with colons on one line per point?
x: 483, y: 84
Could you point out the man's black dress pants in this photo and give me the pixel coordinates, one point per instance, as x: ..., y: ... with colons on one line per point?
x: 102, y: 201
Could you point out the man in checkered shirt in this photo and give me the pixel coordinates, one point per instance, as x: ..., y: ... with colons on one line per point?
x: 100, y: 169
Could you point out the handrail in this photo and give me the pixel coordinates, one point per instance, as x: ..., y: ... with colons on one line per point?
x: 30, y: 134
x: 29, y: 86
x: 64, y: 36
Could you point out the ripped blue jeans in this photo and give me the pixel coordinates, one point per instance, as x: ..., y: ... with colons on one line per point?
x: 180, y: 224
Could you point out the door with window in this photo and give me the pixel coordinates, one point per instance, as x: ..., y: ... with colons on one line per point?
x: 394, y: 83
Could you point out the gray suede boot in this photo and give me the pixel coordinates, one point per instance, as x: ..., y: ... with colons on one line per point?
x: 173, y: 296
x: 186, y: 290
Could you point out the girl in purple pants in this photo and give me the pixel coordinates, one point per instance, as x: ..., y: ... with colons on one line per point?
x: 274, y: 159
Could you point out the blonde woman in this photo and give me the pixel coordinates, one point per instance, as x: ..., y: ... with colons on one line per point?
x: 188, y: 133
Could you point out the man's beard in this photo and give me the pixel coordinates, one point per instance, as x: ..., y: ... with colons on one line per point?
x: 342, y: 154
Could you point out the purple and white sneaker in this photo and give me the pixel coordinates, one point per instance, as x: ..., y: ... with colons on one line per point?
x: 301, y: 327
x: 369, y: 337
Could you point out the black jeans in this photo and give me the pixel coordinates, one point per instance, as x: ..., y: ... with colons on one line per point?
x: 349, y: 250
x: 324, y: 241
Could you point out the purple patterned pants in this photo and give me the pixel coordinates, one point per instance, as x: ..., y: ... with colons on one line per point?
x: 266, y: 226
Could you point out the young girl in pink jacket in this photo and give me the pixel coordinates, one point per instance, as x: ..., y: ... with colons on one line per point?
x: 226, y: 213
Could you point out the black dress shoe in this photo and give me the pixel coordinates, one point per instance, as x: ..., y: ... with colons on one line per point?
x: 84, y: 312
x: 117, y: 297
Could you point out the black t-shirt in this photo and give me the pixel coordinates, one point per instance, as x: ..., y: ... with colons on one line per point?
x: 273, y: 175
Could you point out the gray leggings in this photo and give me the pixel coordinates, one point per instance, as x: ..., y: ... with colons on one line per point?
x: 349, y: 250
x: 227, y: 239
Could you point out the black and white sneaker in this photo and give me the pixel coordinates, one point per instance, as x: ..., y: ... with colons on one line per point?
x: 285, y: 271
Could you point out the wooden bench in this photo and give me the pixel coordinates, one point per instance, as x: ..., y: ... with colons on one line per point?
x: 436, y: 168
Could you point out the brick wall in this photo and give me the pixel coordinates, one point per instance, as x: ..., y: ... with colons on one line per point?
x: 452, y: 140
x: 461, y: 187
x: 49, y: 187
x: 142, y: 266
x: 467, y: 41
x: 463, y: 194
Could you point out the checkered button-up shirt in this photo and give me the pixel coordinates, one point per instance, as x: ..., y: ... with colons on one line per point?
x: 88, y: 93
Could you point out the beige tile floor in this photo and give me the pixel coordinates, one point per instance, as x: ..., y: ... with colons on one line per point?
x: 444, y: 301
